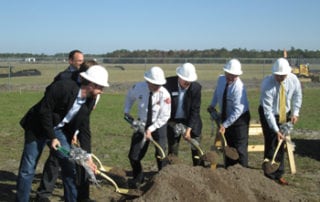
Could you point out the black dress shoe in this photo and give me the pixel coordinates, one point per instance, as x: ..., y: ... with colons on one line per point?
x: 137, y: 182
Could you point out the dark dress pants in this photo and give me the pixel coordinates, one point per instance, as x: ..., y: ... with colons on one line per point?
x: 138, y: 149
x: 270, y: 144
x: 237, y: 137
x: 174, y: 141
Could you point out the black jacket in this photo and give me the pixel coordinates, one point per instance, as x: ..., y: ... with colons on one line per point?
x: 191, y: 103
x: 59, y: 97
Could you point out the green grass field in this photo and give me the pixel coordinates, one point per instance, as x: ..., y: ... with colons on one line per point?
x: 107, y: 119
x: 132, y: 73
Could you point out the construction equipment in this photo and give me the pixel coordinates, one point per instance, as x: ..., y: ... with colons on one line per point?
x: 302, y: 70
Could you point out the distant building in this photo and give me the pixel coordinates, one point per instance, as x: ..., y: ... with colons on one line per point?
x: 30, y: 59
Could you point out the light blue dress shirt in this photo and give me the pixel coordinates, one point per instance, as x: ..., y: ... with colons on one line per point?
x: 237, y: 101
x: 180, y: 113
x: 73, y: 111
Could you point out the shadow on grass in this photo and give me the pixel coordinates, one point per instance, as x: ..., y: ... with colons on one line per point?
x: 7, y: 185
x: 308, y: 148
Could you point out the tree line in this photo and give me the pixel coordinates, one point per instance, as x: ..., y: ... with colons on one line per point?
x: 208, y: 53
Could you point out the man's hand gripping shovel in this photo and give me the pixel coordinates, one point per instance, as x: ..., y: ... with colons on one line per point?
x: 137, y: 125
x: 230, y: 152
x: 81, y: 157
x: 206, y: 158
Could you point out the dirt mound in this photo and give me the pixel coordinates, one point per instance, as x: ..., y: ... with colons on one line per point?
x: 186, y: 183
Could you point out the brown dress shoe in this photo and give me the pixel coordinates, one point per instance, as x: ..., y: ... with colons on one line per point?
x: 282, y: 181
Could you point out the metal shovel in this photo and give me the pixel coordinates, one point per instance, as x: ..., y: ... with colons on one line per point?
x: 195, y: 143
x: 137, y: 125
x: 230, y: 152
x: 102, y: 169
x: 131, y: 192
x: 271, y: 166
x: 163, y: 155
x: 207, y: 159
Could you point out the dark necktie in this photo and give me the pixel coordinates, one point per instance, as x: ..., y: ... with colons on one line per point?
x: 149, y: 114
x: 224, y: 104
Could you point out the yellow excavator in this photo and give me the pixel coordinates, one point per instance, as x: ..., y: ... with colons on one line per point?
x: 302, y: 70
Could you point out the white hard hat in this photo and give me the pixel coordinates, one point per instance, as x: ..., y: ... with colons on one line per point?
x: 281, y: 67
x: 187, y: 72
x: 96, y: 74
x: 233, y: 66
x: 155, y: 76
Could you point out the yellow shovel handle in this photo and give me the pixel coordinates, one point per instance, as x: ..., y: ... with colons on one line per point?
x: 163, y: 155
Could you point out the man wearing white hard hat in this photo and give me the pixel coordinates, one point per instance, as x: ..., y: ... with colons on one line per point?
x: 185, y: 94
x: 280, y: 87
x: 154, y: 106
x: 51, y: 167
x: 231, y: 96
x: 54, y: 120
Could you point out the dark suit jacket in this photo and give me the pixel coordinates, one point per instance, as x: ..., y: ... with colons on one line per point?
x: 84, y: 136
x: 191, y: 103
x: 52, y: 108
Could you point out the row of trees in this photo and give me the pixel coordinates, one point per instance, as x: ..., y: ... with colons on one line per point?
x: 208, y: 53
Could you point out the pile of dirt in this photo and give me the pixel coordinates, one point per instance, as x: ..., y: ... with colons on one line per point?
x: 186, y: 183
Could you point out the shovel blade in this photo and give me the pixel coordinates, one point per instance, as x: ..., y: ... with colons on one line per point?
x: 269, y: 167
x: 130, y: 192
x: 231, y: 153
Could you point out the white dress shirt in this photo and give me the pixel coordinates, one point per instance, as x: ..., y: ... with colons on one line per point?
x: 269, y: 99
x: 161, y: 104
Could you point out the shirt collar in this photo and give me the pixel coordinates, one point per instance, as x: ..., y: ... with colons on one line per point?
x: 80, y: 100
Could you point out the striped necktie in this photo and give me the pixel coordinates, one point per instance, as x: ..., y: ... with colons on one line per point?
x: 282, y: 104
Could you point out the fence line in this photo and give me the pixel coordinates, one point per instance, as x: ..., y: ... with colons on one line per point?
x: 17, y: 74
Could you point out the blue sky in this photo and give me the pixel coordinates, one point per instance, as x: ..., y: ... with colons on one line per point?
x: 102, y: 26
